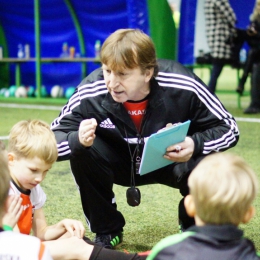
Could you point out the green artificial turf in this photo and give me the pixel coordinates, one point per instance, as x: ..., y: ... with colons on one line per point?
x: 156, y: 216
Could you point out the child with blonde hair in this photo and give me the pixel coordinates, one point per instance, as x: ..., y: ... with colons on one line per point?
x: 222, y: 189
x: 14, y: 245
x: 31, y: 152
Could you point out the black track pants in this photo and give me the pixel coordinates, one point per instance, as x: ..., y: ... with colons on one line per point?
x: 95, y: 177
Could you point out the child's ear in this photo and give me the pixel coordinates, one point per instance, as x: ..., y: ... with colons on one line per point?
x: 249, y: 214
x: 190, y: 205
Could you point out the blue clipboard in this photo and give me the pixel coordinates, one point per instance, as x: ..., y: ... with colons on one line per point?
x: 155, y: 147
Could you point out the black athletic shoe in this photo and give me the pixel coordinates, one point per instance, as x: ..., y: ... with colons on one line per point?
x: 87, y: 240
x: 109, y: 240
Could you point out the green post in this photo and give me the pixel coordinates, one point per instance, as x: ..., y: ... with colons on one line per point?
x: 17, y: 74
x: 162, y: 29
x: 80, y: 35
x: 37, y: 46
x: 4, y: 67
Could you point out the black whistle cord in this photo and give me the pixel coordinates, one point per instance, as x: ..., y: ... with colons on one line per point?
x: 132, y: 179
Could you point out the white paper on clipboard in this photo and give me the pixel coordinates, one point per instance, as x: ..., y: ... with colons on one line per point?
x: 155, y: 147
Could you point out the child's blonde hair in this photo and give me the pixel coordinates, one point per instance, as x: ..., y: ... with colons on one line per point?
x: 4, y: 177
x: 223, y: 187
x: 30, y: 138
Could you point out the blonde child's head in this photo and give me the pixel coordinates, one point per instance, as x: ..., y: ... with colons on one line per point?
x: 223, y: 187
x: 5, y: 179
x: 33, y: 138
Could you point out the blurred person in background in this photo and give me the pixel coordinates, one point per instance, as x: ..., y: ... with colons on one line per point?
x: 220, y: 26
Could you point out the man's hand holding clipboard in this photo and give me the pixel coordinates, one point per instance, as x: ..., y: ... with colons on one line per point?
x: 167, y: 146
x: 180, y: 152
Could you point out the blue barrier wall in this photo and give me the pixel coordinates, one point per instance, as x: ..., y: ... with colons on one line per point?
x: 98, y: 19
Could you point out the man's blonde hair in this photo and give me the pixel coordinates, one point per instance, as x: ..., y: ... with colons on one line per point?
x: 223, y: 187
x: 128, y: 49
x: 4, y: 177
x: 30, y: 138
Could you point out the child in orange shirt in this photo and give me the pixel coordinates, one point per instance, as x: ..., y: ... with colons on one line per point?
x: 31, y: 152
x: 14, y: 245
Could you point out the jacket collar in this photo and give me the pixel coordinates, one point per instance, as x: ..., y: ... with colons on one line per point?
x: 219, y: 232
x: 155, y: 100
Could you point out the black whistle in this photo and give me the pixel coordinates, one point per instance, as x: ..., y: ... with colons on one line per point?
x: 133, y: 196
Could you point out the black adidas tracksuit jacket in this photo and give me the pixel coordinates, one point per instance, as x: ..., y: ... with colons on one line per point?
x: 176, y: 95
x: 205, y: 243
